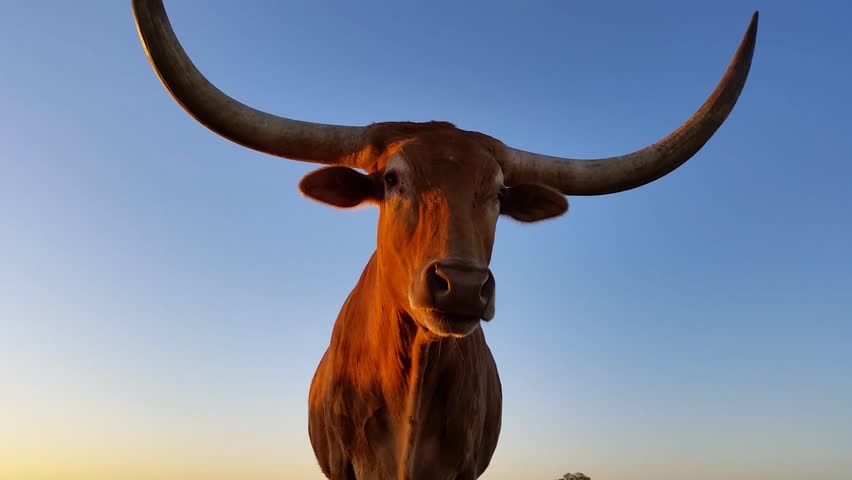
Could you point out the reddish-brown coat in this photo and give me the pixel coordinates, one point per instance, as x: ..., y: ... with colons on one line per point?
x: 391, y: 399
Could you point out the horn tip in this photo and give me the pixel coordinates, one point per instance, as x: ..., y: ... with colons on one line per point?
x: 752, y: 26
x: 750, y: 37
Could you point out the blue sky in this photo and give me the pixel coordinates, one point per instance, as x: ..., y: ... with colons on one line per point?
x: 165, y: 295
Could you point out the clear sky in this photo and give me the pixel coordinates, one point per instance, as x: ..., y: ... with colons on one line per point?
x: 166, y: 295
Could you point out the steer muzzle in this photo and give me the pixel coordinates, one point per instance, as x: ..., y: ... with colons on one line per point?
x: 454, y: 296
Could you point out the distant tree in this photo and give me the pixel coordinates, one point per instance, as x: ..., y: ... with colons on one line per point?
x: 574, y: 476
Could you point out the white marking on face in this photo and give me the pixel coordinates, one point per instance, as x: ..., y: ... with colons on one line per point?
x: 397, y: 163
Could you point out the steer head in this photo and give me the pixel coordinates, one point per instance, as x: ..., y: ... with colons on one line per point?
x: 439, y: 189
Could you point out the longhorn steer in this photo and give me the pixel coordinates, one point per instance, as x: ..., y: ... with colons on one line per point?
x: 408, y: 388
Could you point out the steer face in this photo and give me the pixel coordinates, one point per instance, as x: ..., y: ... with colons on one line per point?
x: 439, y: 194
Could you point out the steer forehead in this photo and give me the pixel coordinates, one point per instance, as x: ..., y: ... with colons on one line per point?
x: 449, y: 158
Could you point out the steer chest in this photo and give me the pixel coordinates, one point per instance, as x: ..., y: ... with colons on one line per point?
x: 440, y: 422
x: 449, y: 424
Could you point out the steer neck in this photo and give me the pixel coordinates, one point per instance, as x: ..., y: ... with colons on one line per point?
x: 386, y: 346
x: 407, y: 348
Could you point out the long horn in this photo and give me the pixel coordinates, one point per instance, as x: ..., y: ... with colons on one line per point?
x: 617, y: 174
x: 261, y: 131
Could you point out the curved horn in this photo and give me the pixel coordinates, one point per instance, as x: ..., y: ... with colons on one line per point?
x: 261, y: 131
x: 617, y: 174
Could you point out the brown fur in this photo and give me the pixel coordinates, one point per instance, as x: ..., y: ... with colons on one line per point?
x: 389, y: 400
x: 398, y: 393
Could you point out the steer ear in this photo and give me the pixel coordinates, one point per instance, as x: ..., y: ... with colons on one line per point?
x: 531, y: 203
x: 339, y: 187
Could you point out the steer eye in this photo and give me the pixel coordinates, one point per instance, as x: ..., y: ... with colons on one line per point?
x: 391, y: 178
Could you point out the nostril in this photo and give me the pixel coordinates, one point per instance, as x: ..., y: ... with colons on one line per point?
x: 487, y: 289
x: 437, y: 283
